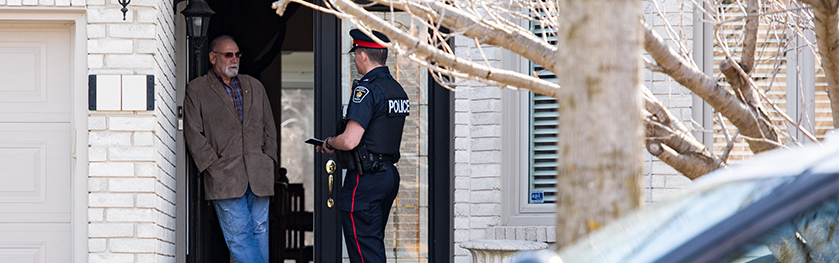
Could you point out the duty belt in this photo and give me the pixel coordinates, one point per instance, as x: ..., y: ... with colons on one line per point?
x: 382, y: 157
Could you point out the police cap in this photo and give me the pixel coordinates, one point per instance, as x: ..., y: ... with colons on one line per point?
x: 362, y: 40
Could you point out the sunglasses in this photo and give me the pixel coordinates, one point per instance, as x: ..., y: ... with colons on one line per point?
x: 229, y: 54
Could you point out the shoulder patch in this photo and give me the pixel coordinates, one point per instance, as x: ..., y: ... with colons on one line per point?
x: 359, y: 93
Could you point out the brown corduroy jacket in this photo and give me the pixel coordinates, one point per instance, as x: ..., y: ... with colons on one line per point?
x: 229, y: 153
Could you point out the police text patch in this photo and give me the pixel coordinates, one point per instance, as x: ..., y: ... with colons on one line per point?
x: 359, y: 93
x: 398, y: 107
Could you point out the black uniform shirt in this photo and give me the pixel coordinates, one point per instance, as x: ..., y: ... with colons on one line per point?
x: 379, y: 104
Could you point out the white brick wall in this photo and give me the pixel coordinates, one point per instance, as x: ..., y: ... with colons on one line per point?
x: 478, y: 139
x: 132, y: 173
x: 477, y: 154
x: 661, y: 179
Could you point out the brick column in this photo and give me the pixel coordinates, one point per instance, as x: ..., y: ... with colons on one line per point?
x: 477, y: 192
x: 132, y: 153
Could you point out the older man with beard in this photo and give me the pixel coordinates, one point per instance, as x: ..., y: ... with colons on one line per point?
x: 229, y: 129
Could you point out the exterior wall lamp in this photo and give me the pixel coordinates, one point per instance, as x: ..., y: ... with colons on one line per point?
x: 197, y: 14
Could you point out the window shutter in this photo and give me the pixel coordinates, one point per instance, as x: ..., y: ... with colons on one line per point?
x: 543, y: 131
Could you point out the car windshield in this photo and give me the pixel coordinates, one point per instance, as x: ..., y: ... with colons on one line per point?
x: 650, y: 233
x: 806, y: 237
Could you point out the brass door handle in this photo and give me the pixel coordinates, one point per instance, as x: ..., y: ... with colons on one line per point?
x: 331, y: 167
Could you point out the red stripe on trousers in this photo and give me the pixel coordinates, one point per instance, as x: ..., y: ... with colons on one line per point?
x: 352, y: 218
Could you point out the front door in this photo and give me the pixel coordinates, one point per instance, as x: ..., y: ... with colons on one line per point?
x: 297, y: 59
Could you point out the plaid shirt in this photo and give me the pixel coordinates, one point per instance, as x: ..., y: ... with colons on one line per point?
x: 234, y: 90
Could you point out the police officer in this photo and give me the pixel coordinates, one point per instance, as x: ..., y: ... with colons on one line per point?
x: 375, y: 118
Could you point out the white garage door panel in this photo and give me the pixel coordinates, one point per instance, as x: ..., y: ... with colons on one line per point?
x: 36, y: 172
x: 34, y: 243
x: 36, y: 74
x: 36, y: 169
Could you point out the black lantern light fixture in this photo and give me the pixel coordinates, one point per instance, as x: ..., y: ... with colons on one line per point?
x: 197, y: 14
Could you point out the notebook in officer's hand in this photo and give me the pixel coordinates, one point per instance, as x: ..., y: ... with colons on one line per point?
x: 315, y: 141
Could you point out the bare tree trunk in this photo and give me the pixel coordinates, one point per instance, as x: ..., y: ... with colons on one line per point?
x: 599, y: 157
x: 826, y: 14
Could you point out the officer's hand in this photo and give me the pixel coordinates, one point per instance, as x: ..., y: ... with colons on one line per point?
x: 323, y: 149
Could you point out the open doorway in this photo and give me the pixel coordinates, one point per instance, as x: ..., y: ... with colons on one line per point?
x: 278, y: 51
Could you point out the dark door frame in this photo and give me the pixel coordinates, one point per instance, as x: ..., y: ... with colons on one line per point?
x: 441, y: 172
x: 327, y: 53
x: 328, y: 238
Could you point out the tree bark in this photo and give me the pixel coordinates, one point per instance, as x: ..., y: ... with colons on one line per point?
x: 826, y: 14
x: 750, y: 35
x: 671, y: 142
x: 746, y: 93
x: 599, y: 142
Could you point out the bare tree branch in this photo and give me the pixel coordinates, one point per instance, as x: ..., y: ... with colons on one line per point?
x: 680, y: 150
x: 729, y: 146
x: 750, y: 33
x: 513, y: 38
x: 740, y: 114
x: 661, y: 113
x: 686, y: 154
x: 748, y: 57
x: 503, y: 24
x: 431, y: 53
x: 760, y: 116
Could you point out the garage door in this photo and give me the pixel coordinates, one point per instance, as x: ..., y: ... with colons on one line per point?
x: 35, y: 140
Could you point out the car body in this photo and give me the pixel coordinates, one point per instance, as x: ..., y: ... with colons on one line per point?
x: 780, y: 206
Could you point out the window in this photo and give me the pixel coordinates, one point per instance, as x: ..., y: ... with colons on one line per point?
x: 529, y: 124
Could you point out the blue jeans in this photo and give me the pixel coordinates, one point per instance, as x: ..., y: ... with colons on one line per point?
x: 244, y: 222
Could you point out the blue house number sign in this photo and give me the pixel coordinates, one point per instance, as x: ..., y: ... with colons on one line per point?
x: 537, y: 197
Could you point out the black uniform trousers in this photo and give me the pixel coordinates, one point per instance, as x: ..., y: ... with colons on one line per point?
x: 369, y: 197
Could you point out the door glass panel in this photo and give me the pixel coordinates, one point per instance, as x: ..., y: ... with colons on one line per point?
x: 297, y: 125
x: 406, y: 235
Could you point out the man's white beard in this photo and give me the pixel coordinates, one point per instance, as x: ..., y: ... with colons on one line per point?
x: 231, y: 72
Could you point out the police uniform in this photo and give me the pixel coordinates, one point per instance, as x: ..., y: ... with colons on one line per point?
x: 379, y: 104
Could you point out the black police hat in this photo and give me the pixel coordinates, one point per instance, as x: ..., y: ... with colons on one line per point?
x: 362, y: 40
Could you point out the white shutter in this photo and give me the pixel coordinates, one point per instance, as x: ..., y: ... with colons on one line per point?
x: 543, y: 131
x: 542, y: 145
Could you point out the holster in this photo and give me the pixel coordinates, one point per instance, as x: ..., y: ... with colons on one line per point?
x: 371, y: 162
